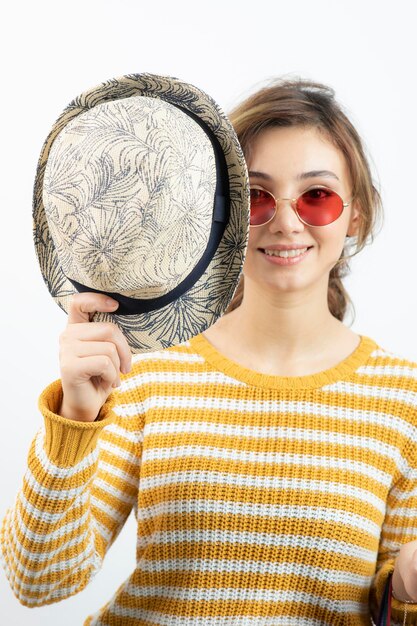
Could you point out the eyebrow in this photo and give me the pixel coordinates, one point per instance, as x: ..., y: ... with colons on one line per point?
x: 302, y: 176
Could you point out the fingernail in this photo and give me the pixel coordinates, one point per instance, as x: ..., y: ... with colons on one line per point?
x: 112, y: 303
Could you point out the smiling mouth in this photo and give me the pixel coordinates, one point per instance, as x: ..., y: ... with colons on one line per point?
x: 275, y: 252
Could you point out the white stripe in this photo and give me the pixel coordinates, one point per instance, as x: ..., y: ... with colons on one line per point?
x: 103, y: 531
x: 402, y: 512
x: 54, y: 494
x: 284, y: 407
x: 406, y: 470
x: 46, y: 555
x: 237, y: 594
x: 58, y: 593
x: 401, y: 530
x: 164, y: 619
x: 41, y: 588
x: 64, y: 565
x: 392, y: 546
x: 288, y: 620
x: 259, y: 539
x: 279, y: 458
x: 271, y: 432
x: 135, y: 436
x: 119, y: 452
x: 55, y: 470
x: 45, y: 516
x: 282, y: 511
x: 218, y: 377
x: 285, y: 620
x: 106, y: 508
x: 262, y: 482
x: 114, y: 491
x: 17, y: 550
x: 108, y: 468
x: 128, y: 410
x: 404, y: 495
x: 100, y: 530
x: 191, y: 378
x: 52, y: 536
x: 247, y: 566
x: 167, y: 355
x: 62, y: 530
x: 403, y: 371
x: 393, y: 394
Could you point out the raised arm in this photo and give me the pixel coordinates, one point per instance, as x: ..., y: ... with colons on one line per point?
x: 83, y: 467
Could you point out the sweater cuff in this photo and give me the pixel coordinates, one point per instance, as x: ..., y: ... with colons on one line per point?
x: 397, y: 607
x: 68, y: 441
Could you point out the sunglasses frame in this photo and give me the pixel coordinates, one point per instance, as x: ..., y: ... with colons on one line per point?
x: 294, y: 206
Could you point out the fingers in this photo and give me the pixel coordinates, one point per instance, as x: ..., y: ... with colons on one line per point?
x: 81, y: 304
x: 99, y: 365
x: 106, y: 349
x: 79, y: 327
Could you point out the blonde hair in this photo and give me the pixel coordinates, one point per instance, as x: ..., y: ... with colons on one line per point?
x: 300, y: 102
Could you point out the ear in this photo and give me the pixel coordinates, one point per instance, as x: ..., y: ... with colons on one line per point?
x: 354, y: 221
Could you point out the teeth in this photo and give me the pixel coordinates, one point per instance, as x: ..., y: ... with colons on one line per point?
x: 285, y: 253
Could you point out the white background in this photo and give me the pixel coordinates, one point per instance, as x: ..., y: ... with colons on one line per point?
x: 52, y: 51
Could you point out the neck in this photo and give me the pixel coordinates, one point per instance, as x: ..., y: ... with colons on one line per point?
x: 285, y: 326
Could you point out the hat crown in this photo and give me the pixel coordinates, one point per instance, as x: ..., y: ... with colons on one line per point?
x: 128, y: 192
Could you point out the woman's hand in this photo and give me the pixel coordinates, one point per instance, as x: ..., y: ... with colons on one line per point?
x: 91, y: 357
x: 404, y: 578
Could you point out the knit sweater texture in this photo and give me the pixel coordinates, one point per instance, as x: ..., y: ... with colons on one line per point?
x: 260, y: 500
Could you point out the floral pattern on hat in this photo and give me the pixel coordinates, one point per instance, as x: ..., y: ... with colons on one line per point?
x: 102, y: 252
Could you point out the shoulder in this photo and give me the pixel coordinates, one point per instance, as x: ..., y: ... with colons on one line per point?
x: 394, y: 366
x: 387, y: 353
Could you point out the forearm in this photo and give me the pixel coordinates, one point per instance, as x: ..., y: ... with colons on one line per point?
x: 49, y: 537
x: 51, y: 543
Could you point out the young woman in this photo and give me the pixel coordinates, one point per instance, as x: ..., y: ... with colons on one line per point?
x: 271, y: 460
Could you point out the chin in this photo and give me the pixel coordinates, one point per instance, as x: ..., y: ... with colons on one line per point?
x: 287, y: 284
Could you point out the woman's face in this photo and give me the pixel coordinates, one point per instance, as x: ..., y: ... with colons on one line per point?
x: 287, y: 162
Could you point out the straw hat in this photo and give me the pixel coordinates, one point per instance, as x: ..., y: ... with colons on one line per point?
x: 142, y: 193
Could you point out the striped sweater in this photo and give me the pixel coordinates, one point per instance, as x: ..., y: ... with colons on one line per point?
x: 260, y: 500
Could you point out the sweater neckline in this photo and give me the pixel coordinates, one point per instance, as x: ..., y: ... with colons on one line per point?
x: 342, y: 370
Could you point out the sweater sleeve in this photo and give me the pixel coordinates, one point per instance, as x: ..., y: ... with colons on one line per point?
x: 78, y: 490
x: 399, y: 527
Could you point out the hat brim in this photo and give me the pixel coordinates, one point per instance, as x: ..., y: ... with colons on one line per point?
x: 208, y: 299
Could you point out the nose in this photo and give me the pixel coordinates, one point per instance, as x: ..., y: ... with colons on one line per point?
x: 285, y: 219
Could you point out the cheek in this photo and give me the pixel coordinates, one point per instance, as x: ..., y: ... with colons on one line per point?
x: 257, y: 237
x: 332, y: 236
x: 251, y: 252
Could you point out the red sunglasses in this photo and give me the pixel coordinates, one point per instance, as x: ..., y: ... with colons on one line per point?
x: 315, y: 207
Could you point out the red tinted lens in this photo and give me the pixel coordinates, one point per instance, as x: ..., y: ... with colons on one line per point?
x: 262, y: 207
x: 319, y: 207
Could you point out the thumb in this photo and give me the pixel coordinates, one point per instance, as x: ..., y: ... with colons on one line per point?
x: 83, y: 305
